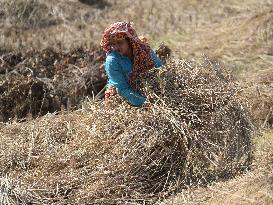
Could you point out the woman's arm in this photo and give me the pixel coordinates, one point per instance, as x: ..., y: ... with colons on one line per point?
x: 117, y: 78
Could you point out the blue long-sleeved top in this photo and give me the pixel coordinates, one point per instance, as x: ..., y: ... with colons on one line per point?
x: 118, y: 69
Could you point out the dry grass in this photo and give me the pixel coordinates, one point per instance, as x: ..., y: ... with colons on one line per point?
x: 27, y: 14
x: 195, y: 131
x: 254, y: 187
x: 187, y: 25
x: 36, y: 82
x: 259, y: 91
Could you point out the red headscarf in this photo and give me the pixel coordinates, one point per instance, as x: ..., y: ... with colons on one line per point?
x: 141, y: 50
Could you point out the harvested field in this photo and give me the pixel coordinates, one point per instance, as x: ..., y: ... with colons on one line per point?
x: 191, y: 144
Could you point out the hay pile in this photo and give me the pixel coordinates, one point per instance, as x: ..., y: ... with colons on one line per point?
x: 195, y: 130
x: 36, y: 82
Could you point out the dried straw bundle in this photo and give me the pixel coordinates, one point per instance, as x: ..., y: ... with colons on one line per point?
x: 194, y: 131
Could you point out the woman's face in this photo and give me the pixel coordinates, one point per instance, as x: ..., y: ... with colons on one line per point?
x: 122, y: 46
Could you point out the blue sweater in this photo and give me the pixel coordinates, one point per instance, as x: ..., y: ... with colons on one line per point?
x: 118, y: 69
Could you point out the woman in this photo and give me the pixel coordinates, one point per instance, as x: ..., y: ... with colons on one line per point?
x: 127, y: 58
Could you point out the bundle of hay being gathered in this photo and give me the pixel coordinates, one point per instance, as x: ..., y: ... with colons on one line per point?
x: 195, y: 130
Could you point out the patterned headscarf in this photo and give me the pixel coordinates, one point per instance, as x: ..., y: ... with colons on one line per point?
x: 141, y: 50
